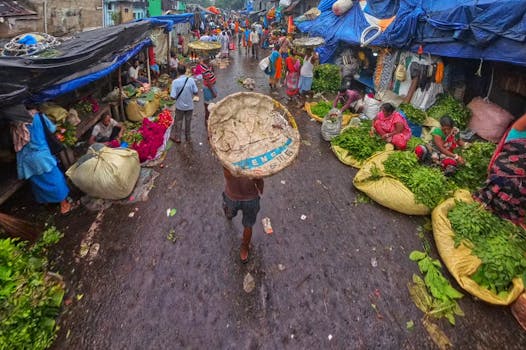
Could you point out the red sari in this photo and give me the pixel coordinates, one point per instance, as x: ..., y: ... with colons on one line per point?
x: 293, y: 75
x: 384, y: 125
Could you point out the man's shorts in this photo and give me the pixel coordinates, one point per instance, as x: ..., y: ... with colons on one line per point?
x: 208, y: 95
x: 249, y: 209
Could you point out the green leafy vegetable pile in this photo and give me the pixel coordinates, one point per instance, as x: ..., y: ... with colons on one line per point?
x: 415, y: 115
x: 358, y: 142
x: 321, y: 108
x: 447, y: 105
x: 473, y: 174
x: 30, y: 298
x: 500, y: 245
x: 429, y: 185
x: 434, y: 295
x: 327, y: 78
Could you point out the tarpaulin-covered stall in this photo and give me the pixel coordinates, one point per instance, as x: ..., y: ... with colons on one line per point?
x: 486, y: 29
x: 97, y: 50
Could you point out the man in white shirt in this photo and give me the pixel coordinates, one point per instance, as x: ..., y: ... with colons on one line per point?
x: 254, y: 42
x: 133, y: 74
x: 108, y: 129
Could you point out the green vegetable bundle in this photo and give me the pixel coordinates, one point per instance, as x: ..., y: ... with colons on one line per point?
x: 429, y: 185
x: 442, y: 301
x: 500, y: 245
x: 321, y: 108
x: 30, y: 299
x: 415, y: 115
x: 327, y: 78
x: 447, y: 105
x: 358, y: 142
x: 473, y: 174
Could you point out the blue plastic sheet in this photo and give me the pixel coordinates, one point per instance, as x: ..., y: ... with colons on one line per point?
x: 63, y: 88
x: 382, y: 8
x: 493, y: 30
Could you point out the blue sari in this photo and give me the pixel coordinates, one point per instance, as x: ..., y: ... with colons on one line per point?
x: 36, y: 163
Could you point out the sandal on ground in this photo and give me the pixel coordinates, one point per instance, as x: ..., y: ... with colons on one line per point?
x: 65, y: 207
x: 244, y: 253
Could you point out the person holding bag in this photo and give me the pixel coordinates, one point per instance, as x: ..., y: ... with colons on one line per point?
x: 183, y: 91
x: 35, y: 144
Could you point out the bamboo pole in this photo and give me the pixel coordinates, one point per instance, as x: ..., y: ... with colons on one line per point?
x: 168, y: 42
x: 121, y: 102
x: 148, y: 66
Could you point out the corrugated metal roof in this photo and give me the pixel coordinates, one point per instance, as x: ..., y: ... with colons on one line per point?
x: 10, y: 8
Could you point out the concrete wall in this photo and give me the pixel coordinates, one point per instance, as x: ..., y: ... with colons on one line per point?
x: 63, y: 17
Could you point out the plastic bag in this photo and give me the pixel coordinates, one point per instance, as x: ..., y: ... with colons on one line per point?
x: 459, y: 261
x: 371, y: 107
x: 400, y: 72
x: 332, y: 124
x: 136, y: 112
x: 341, y: 6
x: 55, y: 112
x: 387, y: 190
x: 107, y: 173
x: 264, y: 63
x: 488, y: 120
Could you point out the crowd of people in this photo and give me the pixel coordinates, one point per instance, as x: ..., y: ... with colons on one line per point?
x: 504, y: 192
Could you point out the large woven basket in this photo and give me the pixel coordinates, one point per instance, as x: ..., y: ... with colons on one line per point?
x: 308, y: 42
x: 252, y: 134
x: 204, y: 46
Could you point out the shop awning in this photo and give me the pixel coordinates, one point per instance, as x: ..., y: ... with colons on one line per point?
x: 487, y: 29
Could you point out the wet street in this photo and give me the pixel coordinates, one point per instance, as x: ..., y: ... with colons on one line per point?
x: 332, y: 276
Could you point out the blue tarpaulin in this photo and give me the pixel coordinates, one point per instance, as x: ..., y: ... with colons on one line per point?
x: 91, y: 76
x: 170, y: 20
x: 487, y: 29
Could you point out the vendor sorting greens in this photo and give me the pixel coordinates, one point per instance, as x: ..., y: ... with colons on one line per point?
x: 349, y: 98
x: 107, y: 130
x: 442, y: 147
x: 391, y: 127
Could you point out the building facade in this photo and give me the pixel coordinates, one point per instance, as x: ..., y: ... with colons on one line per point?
x: 55, y: 17
x: 122, y: 11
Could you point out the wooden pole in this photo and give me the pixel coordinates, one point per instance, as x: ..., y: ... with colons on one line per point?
x: 121, y: 102
x: 148, y: 66
x: 168, y: 42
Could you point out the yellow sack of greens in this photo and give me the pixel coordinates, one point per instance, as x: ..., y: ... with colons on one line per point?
x: 346, y: 117
x: 55, y: 112
x: 385, y: 189
x: 460, y: 261
x: 136, y: 113
x: 346, y: 158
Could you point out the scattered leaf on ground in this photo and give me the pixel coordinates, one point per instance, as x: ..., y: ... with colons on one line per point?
x: 249, y: 283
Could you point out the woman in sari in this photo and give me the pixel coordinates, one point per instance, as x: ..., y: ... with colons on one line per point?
x: 36, y: 163
x: 274, y: 68
x: 442, y: 147
x: 293, y: 66
x: 504, y: 192
x: 391, y: 126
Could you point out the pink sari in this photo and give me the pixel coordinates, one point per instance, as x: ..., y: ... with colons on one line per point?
x: 293, y: 76
x: 384, y: 125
